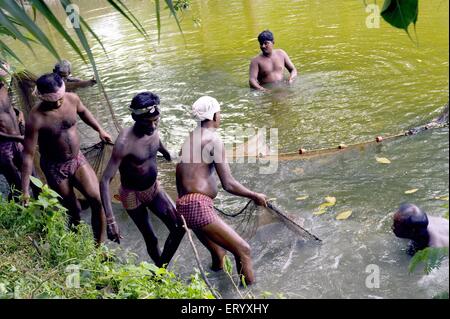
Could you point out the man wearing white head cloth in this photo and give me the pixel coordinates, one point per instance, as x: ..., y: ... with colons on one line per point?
x: 52, y: 124
x: 203, y: 155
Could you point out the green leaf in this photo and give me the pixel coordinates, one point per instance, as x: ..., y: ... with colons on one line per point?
x: 227, y: 265
x: 53, y: 193
x: 37, y: 182
x: 50, y: 17
x: 431, y: 257
x: 5, y: 48
x: 244, y: 284
x: 86, y: 25
x: 401, y: 13
x: 17, y: 12
x: 325, y: 206
x: 158, y: 18
x: 319, y: 212
x: 344, y: 215
x: 174, y: 13
x: 6, y: 23
x: 331, y: 200
x: 383, y: 160
x: 127, y: 14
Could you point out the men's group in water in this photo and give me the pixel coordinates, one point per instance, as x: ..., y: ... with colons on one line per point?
x: 52, y: 127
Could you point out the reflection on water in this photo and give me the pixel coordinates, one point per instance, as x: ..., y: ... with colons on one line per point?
x: 336, y: 269
x: 355, y: 83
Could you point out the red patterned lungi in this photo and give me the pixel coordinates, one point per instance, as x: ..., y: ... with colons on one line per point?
x: 197, y: 209
x: 132, y: 199
x: 10, y: 152
x: 56, y: 172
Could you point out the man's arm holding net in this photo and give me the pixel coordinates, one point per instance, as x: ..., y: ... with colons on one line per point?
x: 90, y: 120
x: 110, y: 171
x: 229, y: 183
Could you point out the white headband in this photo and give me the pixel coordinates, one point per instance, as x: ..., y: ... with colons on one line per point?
x: 150, y: 109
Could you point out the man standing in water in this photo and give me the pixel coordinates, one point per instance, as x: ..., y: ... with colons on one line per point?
x: 268, y: 67
x: 134, y: 154
x: 202, y: 155
x: 53, y: 125
x: 425, y: 231
x: 10, y: 136
x: 64, y: 69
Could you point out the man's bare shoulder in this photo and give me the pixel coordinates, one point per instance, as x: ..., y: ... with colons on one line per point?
x: 122, y: 142
x: 280, y: 52
x: 35, y: 117
x: 209, y: 136
x: 257, y: 59
x: 72, y: 97
x: 124, y: 136
x: 35, y: 111
x: 439, y: 223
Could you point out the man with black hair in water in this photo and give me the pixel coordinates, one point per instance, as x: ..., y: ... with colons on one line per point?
x: 64, y: 69
x: 424, y: 231
x: 202, y: 157
x: 134, y: 155
x: 52, y: 124
x: 268, y: 67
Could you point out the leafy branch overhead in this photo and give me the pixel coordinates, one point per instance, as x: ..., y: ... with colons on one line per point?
x: 401, y: 13
x: 18, y: 22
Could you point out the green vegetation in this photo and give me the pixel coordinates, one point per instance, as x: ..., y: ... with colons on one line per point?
x: 400, y: 13
x: 431, y: 257
x: 41, y: 258
x: 19, y: 23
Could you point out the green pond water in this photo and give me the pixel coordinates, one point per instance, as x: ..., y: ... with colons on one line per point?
x: 354, y: 83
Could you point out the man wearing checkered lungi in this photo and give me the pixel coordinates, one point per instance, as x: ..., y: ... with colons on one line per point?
x: 201, y: 155
x: 134, y: 155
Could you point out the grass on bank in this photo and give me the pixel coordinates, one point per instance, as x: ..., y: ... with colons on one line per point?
x: 41, y: 258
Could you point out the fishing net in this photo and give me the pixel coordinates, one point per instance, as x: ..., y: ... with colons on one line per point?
x: 98, y: 154
x: 247, y: 220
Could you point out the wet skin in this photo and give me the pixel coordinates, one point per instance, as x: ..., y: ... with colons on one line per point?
x: 9, y: 131
x: 193, y: 177
x: 268, y: 67
x: 134, y: 155
x: 53, y: 126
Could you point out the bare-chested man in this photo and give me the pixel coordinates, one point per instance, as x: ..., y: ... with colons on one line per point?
x: 203, y: 155
x: 134, y: 154
x: 10, y: 136
x: 64, y: 69
x: 425, y: 231
x: 268, y: 67
x: 52, y: 124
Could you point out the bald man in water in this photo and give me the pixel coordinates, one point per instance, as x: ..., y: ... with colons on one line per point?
x: 424, y: 231
x: 268, y: 67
